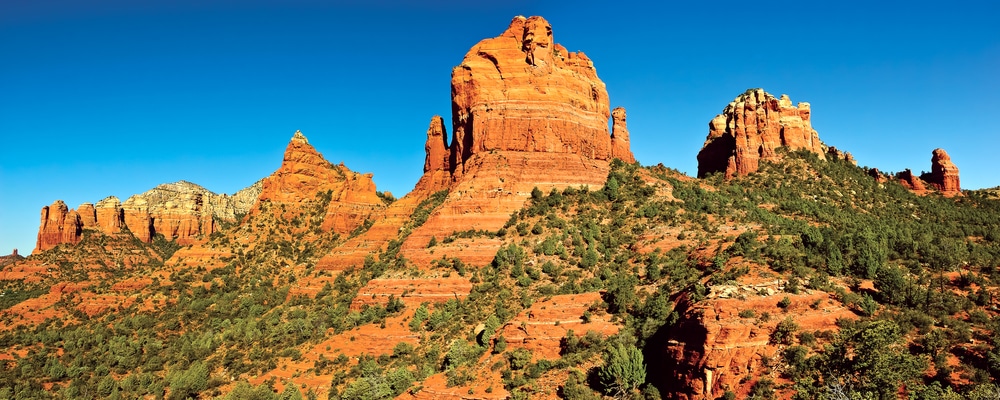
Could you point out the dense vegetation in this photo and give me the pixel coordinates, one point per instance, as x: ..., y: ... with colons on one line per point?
x: 921, y: 274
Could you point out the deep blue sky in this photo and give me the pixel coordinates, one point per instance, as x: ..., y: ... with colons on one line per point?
x: 115, y: 97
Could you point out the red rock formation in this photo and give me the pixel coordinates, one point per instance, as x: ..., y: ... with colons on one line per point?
x: 58, y: 225
x: 911, y: 181
x: 878, y: 175
x: 138, y: 221
x: 836, y: 154
x: 521, y: 91
x: 304, y: 174
x: 526, y: 113
x: 88, y: 215
x: 714, y: 348
x: 750, y: 129
x: 436, y: 148
x: 620, y: 146
x: 944, y: 174
x: 437, y: 169
x: 110, y: 217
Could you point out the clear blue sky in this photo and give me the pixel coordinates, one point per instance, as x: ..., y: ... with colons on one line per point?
x: 115, y: 97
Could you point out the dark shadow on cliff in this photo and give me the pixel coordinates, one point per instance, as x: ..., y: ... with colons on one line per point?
x: 674, y: 350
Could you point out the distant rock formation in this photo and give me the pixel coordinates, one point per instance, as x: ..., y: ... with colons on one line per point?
x: 750, y: 129
x: 835, y: 154
x: 180, y: 211
x: 944, y: 173
x: 943, y: 177
x: 304, y: 174
x: 11, y: 258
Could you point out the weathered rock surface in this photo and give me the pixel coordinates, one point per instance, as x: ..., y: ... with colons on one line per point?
x: 714, y: 348
x: 750, y: 129
x: 58, y: 225
x: 521, y: 91
x: 944, y: 173
x: 88, y: 215
x: 620, y: 146
x: 110, y: 216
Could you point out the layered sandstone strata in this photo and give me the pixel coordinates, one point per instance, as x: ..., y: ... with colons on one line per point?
x: 751, y: 128
x: 522, y: 91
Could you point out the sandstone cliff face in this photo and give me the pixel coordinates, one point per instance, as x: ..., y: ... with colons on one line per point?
x: 88, y: 215
x: 750, y: 129
x: 110, y: 216
x: 59, y: 225
x: 944, y: 173
x: 714, y: 349
x: 181, y: 211
x: 521, y: 91
x: 526, y: 113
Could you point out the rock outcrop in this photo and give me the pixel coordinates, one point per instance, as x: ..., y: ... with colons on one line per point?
x: 521, y: 91
x: 751, y: 128
x: 180, y: 211
x: 59, y: 225
x: 944, y: 174
x: 943, y: 177
x: 110, y: 216
x: 304, y: 175
x: 911, y: 181
x: 715, y: 348
x: 620, y: 146
x: 526, y: 113
x: 835, y: 154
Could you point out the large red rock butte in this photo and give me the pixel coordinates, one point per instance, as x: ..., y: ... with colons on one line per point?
x: 750, y: 129
x: 526, y: 113
x: 521, y: 91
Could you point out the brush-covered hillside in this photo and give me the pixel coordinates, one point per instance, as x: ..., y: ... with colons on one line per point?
x: 806, y: 279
